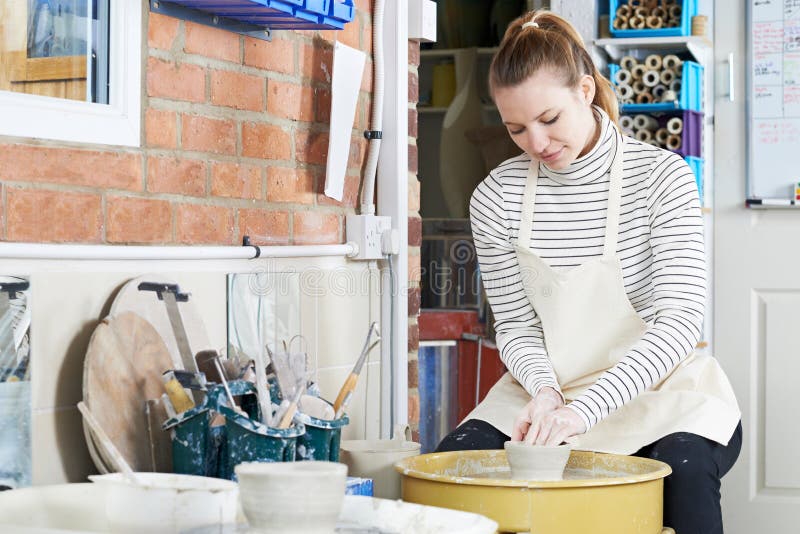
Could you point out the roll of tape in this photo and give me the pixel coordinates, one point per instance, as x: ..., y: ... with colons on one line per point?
x: 669, y: 96
x: 653, y: 22
x: 671, y: 61
x: 675, y: 11
x: 646, y: 122
x: 624, y: 11
x: 644, y: 98
x: 636, y: 22
x: 634, y: 3
x: 667, y: 76
x: 651, y: 78
x: 658, y: 91
x: 675, y: 125
x: 676, y: 86
x: 644, y: 136
x: 626, y: 122
x: 623, y: 77
x: 641, y: 11
x: 627, y: 62
x: 625, y: 92
x: 638, y: 72
x: 659, y: 12
x: 673, y: 142
x: 661, y: 135
x: 638, y: 86
x: 621, y: 22
x: 653, y: 62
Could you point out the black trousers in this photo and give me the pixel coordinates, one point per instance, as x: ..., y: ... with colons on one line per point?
x: 691, y: 492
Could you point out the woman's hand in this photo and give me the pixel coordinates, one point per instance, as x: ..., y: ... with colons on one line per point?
x: 529, y: 420
x: 556, y: 427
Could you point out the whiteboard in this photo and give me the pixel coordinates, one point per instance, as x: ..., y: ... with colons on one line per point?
x: 773, y: 98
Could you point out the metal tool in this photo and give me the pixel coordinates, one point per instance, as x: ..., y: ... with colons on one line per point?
x: 343, y: 398
x: 8, y: 353
x: 171, y: 295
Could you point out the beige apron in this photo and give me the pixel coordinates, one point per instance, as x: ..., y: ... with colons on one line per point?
x: 589, y: 325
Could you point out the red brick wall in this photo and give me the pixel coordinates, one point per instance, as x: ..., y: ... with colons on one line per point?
x: 234, y: 142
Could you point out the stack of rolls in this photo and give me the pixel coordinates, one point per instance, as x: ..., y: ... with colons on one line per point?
x: 656, y: 79
x: 647, y: 14
x: 664, y: 133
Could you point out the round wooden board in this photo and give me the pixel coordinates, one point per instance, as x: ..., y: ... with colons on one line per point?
x: 122, y: 370
x: 147, y: 306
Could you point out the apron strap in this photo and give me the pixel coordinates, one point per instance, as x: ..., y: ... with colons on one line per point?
x: 612, y: 213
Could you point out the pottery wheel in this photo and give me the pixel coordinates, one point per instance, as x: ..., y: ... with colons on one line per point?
x: 122, y: 370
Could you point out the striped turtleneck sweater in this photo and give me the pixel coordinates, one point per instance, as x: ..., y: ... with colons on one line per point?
x: 660, y: 248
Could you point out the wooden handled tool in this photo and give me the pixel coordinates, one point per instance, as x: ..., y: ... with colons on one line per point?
x: 343, y: 398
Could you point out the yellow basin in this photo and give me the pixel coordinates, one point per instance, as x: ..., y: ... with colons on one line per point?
x: 600, y: 493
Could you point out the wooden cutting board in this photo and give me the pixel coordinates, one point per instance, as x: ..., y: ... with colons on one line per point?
x: 122, y: 371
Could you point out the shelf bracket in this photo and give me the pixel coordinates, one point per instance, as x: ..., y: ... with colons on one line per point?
x: 207, y: 19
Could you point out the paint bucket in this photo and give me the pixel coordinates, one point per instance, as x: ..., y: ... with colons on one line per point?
x: 375, y: 459
x: 166, y: 503
x: 322, y: 437
x: 194, y: 452
x: 247, y: 440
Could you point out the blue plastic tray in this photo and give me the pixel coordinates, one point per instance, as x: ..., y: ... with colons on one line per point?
x: 280, y: 14
x: 691, y: 96
x: 696, y: 164
x: 689, y: 10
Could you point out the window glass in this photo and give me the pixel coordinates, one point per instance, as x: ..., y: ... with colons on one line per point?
x: 56, y: 48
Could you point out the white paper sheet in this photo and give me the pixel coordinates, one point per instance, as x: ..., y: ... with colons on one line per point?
x: 348, y: 69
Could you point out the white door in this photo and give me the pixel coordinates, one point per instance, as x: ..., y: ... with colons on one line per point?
x: 756, y: 312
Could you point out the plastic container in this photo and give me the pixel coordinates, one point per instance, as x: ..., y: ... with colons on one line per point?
x: 247, y: 440
x: 696, y: 164
x: 280, y: 14
x: 689, y: 10
x: 322, y: 438
x: 690, y: 97
x: 692, y: 134
x: 375, y: 459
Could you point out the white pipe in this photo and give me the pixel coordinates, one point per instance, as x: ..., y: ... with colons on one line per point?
x: 37, y: 251
x: 392, y: 200
x: 368, y: 191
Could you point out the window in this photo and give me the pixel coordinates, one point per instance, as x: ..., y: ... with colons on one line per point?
x: 71, y: 70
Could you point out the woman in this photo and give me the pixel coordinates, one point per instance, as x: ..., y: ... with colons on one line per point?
x: 591, y: 251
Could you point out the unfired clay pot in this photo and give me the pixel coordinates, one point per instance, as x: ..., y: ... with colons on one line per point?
x: 536, y: 462
x: 292, y: 497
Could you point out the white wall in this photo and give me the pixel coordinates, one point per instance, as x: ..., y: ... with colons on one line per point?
x: 68, y: 298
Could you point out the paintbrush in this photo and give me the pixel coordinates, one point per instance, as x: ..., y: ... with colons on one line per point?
x: 343, y: 398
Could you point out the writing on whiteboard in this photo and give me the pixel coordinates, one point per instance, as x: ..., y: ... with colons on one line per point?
x: 778, y: 132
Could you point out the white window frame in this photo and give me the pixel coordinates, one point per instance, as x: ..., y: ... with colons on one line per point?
x: 115, y: 123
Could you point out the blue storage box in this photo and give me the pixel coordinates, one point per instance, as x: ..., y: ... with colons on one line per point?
x: 690, y: 97
x: 279, y: 14
x: 696, y: 164
x: 688, y: 10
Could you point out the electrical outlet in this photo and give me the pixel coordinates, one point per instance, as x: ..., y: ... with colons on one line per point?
x: 367, y: 231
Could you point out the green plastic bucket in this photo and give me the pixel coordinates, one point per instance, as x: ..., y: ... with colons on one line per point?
x: 322, y: 438
x: 193, y: 449
x: 250, y: 441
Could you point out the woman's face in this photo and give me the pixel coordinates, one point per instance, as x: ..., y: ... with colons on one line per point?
x: 553, y: 123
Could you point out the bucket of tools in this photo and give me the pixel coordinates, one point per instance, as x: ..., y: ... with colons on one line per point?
x: 323, y: 432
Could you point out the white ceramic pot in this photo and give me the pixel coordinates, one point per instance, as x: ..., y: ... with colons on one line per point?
x: 167, y: 503
x: 292, y: 497
x: 375, y: 459
x: 537, y: 462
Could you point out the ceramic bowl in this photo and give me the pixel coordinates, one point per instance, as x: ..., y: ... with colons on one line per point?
x: 536, y: 462
x: 292, y: 497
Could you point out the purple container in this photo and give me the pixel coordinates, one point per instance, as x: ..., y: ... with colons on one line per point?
x: 692, y: 135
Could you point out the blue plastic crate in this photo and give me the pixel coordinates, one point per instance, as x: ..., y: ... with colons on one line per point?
x: 696, y: 164
x: 279, y: 14
x: 690, y: 97
x: 688, y: 10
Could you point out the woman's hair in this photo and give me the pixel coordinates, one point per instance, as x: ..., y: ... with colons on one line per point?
x: 548, y: 41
